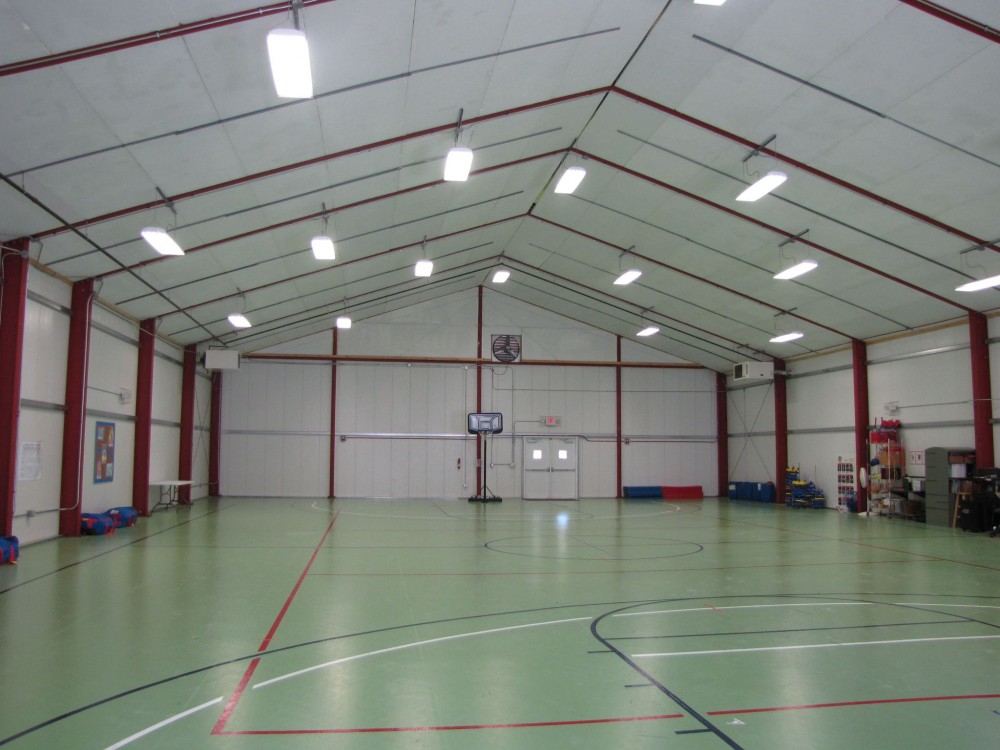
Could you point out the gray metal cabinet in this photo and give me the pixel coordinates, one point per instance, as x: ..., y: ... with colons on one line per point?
x: 940, y: 483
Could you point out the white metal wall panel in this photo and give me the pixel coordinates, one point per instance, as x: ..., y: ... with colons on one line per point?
x: 751, y: 427
x: 43, y: 380
x: 275, y: 424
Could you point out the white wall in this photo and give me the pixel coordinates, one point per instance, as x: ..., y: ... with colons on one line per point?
x: 401, y: 427
x: 112, y: 368
x: 927, y: 376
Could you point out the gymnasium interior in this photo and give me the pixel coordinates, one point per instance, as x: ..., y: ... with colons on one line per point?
x: 515, y: 374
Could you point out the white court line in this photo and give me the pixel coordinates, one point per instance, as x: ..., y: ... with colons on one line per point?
x: 165, y: 722
x: 818, y: 645
x: 955, y: 606
x: 412, y: 645
x: 710, y: 609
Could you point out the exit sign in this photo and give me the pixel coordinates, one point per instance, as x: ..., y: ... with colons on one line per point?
x: 550, y: 421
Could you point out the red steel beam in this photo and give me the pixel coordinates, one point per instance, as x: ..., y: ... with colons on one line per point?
x: 185, y: 461
x: 780, y: 430
x: 956, y: 19
x: 479, y: 391
x: 619, y: 480
x: 150, y: 37
x: 333, y: 413
x: 75, y: 415
x: 215, y: 436
x: 14, y: 290
x: 982, y: 394
x: 475, y: 361
x: 859, y: 359
x: 722, y: 435
x: 143, y: 416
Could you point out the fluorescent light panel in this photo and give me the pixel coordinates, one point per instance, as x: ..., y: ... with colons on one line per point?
x: 239, y: 320
x: 570, y: 180
x: 648, y: 331
x: 501, y: 275
x: 288, y: 51
x: 423, y: 268
x: 709, y: 2
x: 343, y: 322
x: 762, y: 187
x: 628, y: 277
x: 790, y: 336
x: 979, y: 284
x: 458, y: 164
x: 797, y: 270
x: 162, y: 242
x: 322, y: 247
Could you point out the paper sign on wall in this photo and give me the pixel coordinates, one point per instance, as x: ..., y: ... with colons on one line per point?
x: 29, y: 463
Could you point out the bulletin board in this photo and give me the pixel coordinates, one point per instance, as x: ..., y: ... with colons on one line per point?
x: 104, y: 452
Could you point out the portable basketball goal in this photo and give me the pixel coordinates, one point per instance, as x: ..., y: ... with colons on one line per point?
x: 485, y: 423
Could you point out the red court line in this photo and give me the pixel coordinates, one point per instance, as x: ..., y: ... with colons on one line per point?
x: 238, y: 693
x: 456, y: 727
x: 848, y: 704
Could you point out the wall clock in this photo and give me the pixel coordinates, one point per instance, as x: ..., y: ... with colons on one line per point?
x: 506, y: 347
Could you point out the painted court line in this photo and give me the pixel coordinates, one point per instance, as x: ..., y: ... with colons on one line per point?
x: 160, y: 725
x: 708, y: 608
x: 818, y: 645
x: 413, y: 645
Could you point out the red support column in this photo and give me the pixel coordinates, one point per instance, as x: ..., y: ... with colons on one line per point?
x: 780, y: 430
x: 185, y: 460
x: 143, y: 417
x: 859, y: 353
x: 722, y: 434
x: 479, y: 392
x: 75, y: 416
x: 14, y: 290
x: 619, y: 486
x: 333, y: 414
x: 982, y: 391
x: 215, y: 435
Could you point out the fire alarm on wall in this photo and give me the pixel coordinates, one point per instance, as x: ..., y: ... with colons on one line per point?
x: 550, y: 421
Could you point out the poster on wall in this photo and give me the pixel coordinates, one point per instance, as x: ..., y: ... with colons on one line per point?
x: 29, y: 463
x: 104, y: 452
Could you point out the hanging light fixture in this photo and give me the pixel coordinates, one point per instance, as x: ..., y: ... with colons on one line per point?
x: 322, y: 244
x: 628, y: 277
x: 784, y: 336
x: 288, y: 51
x: 500, y: 275
x: 570, y: 180
x: 979, y: 284
x: 797, y: 270
x: 344, y: 322
x: 765, y: 184
x: 239, y: 319
x: 161, y: 241
x: 648, y: 331
x: 709, y: 2
x: 458, y: 163
x: 423, y: 268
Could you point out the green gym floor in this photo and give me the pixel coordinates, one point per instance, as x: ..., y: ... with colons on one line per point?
x: 441, y: 624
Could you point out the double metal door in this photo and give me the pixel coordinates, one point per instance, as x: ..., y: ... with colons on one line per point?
x: 550, y: 469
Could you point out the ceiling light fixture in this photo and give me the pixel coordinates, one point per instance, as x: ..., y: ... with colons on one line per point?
x: 762, y: 187
x: 501, y: 275
x: 343, y: 322
x: 288, y: 51
x: 424, y: 268
x: 979, y: 284
x: 709, y: 2
x: 162, y: 242
x: 648, y: 331
x: 323, y: 248
x: 628, y: 277
x: 239, y: 320
x: 781, y: 338
x: 458, y: 163
x: 570, y: 180
x: 797, y: 270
